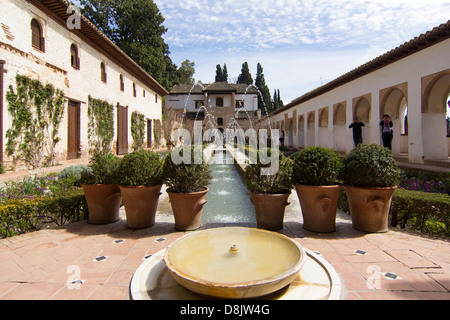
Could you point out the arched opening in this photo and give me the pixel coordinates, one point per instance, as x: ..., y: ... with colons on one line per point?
x: 339, y: 127
x: 220, y: 122
x: 434, y: 117
x: 219, y: 102
x: 301, y: 132
x: 37, y: 36
x: 290, y: 134
x: 323, y: 128
x: 361, y: 110
x: 103, y: 74
x: 74, y: 58
x: 394, y: 103
x: 311, y: 131
x: 122, y: 84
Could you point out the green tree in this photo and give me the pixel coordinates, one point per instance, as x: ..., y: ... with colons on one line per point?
x: 245, y: 76
x: 221, y: 74
x: 264, y: 99
x: 277, y: 102
x: 186, y: 72
x: 225, y: 73
x: 136, y: 27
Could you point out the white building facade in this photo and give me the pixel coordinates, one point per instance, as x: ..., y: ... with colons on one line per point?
x: 220, y: 105
x: 410, y: 83
x: 46, y: 40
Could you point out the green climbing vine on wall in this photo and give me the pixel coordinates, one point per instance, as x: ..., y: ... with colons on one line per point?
x: 137, y: 130
x: 100, y: 126
x: 36, y: 111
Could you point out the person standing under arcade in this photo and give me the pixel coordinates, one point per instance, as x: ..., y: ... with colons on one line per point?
x: 357, y: 131
x: 386, y: 131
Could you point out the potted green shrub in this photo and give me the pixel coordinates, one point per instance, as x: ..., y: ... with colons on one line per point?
x: 140, y: 180
x: 316, y: 172
x: 269, y: 193
x: 370, y: 176
x: 187, y: 187
x: 100, y: 189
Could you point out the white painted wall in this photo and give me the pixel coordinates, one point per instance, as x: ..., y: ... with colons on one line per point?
x: 426, y: 140
x: 21, y: 58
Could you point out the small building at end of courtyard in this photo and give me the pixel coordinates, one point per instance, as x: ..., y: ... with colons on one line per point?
x: 219, y: 105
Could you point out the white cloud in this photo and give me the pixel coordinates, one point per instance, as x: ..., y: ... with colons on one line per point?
x: 287, y: 35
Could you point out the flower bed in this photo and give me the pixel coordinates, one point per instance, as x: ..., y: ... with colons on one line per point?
x: 34, y: 202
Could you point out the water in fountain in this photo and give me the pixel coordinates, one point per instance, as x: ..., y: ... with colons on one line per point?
x: 228, y: 198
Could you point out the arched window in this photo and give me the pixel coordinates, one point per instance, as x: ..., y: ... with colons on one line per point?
x: 37, y: 37
x: 220, y: 122
x: 122, y: 84
x: 219, y: 102
x: 103, y: 74
x: 134, y: 90
x: 74, y: 59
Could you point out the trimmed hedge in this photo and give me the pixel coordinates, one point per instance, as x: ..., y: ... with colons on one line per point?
x: 19, y: 216
x: 425, y: 212
x: 421, y: 211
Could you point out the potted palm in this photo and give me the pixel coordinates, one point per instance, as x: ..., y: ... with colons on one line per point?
x: 102, y: 194
x: 316, y: 172
x: 269, y: 193
x: 140, y: 180
x: 187, y: 187
x: 370, y: 176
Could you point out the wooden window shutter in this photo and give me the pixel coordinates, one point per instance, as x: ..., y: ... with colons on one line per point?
x: 74, y: 58
x: 37, y: 39
x: 103, y: 72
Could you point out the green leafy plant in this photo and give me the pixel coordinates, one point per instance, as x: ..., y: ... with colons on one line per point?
x: 100, y: 126
x: 186, y: 178
x: 102, y: 170
x: 370, y: 166
x: 18, y: 216
x: 316, y: 166
x: 141, y: 168
x: 278, y: 183
x: 36, y: 111
x: 137, y: 130
x: 421, y: 211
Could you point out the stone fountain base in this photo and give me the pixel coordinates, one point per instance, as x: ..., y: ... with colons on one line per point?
x: 317, y: 280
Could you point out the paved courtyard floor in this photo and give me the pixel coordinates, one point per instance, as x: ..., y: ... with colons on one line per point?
x: 42, y: 265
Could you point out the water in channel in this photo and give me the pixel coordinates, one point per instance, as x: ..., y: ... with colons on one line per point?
x: 228, y: 198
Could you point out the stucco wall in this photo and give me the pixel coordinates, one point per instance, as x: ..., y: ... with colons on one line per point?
x: 426, y: 139
x: 54, y: 66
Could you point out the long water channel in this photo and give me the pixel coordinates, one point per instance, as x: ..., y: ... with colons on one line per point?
x: 228, y: 198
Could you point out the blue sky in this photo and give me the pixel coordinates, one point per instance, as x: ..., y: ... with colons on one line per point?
x: 300, y: 44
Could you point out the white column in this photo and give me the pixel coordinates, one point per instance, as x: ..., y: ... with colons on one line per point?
x: 415, y: 134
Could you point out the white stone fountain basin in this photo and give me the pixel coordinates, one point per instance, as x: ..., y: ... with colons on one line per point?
x: 317, y: 280
x: 234, y: 263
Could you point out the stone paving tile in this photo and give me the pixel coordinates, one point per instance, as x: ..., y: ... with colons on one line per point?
x: 40, y: 265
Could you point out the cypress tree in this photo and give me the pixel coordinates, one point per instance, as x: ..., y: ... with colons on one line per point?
x: 219, y: 73
x: 245, y: 76
x: 264, y: 99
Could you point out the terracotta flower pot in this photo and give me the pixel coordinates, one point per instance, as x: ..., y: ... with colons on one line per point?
x: 369, y: 208
x: 140, y: 205
x: 103, y: 202
x: 319, y: 207
x: 269, y: 209
x: 187, y: 209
